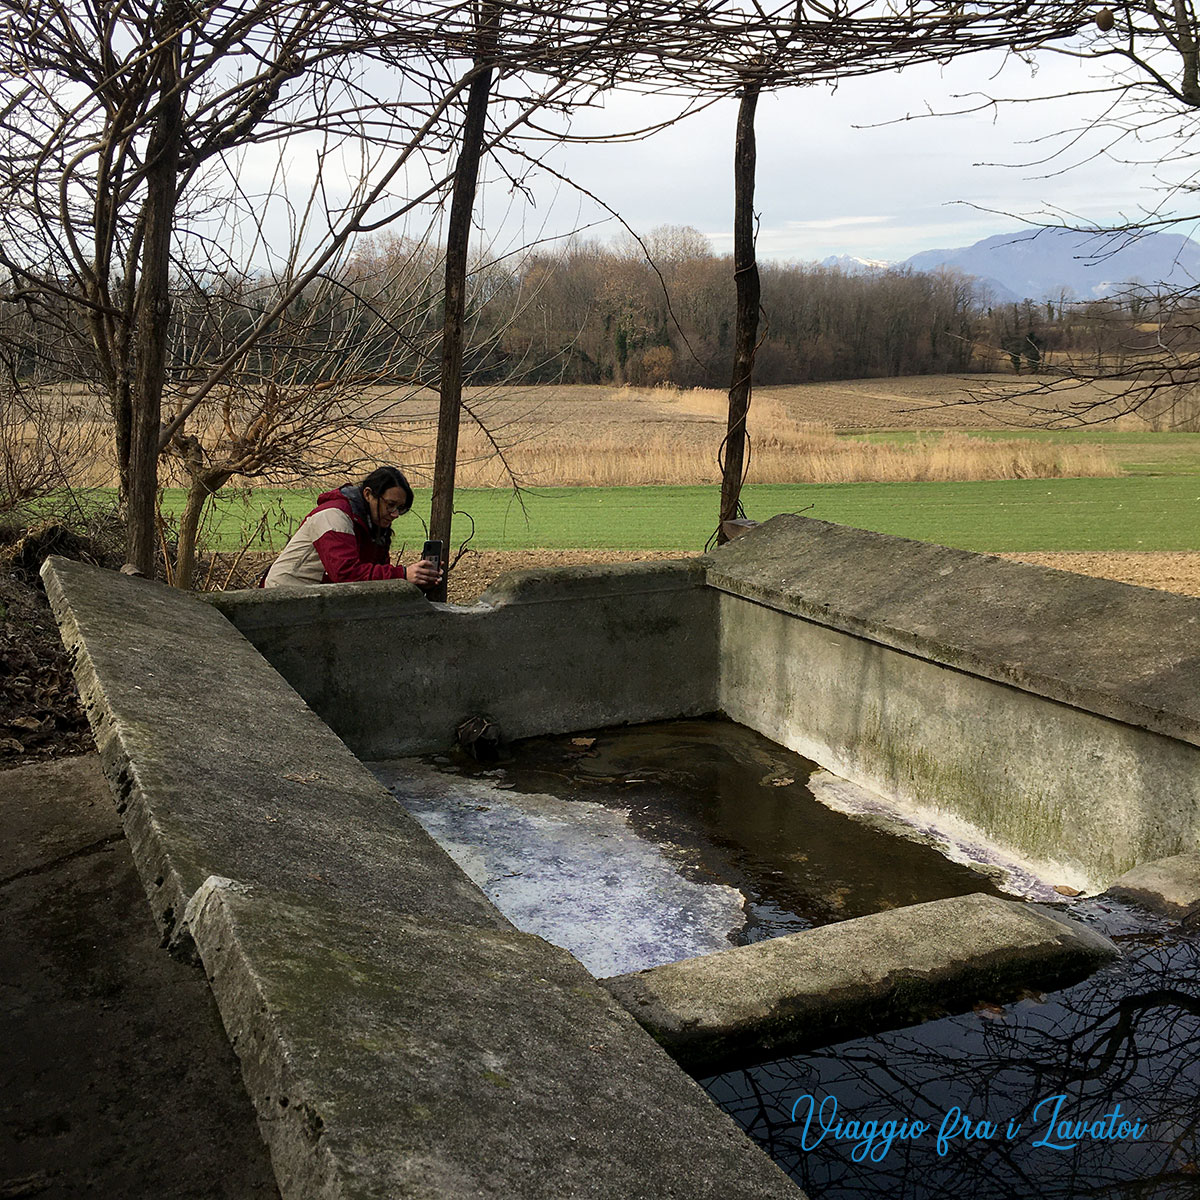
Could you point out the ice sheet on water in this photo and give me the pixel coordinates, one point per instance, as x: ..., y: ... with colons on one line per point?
x: 571, y: 871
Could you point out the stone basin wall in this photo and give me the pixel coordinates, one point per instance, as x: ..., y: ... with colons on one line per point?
x: 397, y: 1035
x: 541, y: 652
x: 1056, y: 715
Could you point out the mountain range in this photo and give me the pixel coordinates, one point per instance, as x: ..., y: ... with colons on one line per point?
x: 1049, y: 263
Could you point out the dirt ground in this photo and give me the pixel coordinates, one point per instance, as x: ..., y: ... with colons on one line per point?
x: 1170, y: 571
x: 117, y: 1079
x: 1167, y: 570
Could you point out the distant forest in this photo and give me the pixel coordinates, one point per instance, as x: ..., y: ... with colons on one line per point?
x: 602, y: 313
x: 647, y: 314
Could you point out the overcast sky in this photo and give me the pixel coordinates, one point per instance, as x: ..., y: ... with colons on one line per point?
x: 833, y: 179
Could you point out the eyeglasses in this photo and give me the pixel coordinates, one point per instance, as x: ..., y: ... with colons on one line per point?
x: 392, y: 507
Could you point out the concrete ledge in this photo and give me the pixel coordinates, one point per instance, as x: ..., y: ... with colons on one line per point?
x: 299, y: 606
x: 397, y: 1035
x: 543, y: 585
x: 542, y: 652
x: 218, y: 768
x: 840, y: 981
x: 1128, y: 653
x: 391, y: 1057
x: 1170, y: 886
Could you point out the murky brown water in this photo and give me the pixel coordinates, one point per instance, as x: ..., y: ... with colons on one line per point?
x: 731, y: 806
x: 725, y: 805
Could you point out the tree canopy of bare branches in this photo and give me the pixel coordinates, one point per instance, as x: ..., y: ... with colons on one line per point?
x: 151, y: 147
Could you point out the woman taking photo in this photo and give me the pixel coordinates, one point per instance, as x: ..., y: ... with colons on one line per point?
x: 345, y: 539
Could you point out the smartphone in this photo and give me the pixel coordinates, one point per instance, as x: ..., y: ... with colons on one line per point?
x: 433, y: 552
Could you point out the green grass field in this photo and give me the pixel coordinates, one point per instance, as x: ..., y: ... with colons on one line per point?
x: 1132, y: 512
x: 1154, y: 505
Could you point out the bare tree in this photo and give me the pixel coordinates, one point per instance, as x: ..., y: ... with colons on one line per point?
x: 807, y: 43
x: 124, y: 126
x: 320, y: 390
x: 462, y: 204
x: 119, y: 119
x: 126, y: 129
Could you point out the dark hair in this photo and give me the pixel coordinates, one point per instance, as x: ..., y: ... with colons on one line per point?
x: 383, y: 478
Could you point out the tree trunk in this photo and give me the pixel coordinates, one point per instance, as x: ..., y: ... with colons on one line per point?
x: 122, y: 414
x: 745, y: 333
x: 462, y: 205
x: 204, y: 484
x: 154, y: 308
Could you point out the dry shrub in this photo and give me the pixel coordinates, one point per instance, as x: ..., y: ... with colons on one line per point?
x: 50, y: 441
x: 542, y: 445
x: 710, y: 402
x: 946, y: 458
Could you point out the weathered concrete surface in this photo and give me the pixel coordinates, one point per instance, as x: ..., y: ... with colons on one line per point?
x: 218, y: 768
x: 117, y: 1078
x: 1078, y: 797
x: 423, y: 1047
x: 1129, y: 653
x: 394, y: 1057
x: 1022, y: 700
x: 1170, y: 886
x: 541, y: 652
x: 53, y: 812
x: 839, y: 981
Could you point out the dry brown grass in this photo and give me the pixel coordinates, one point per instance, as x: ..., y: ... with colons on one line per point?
x: 571, y: 436
x: 678, y: 443
x: 50, y: 440
x: 88, y: 445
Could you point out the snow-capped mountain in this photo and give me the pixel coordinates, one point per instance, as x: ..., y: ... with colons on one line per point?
x: 1048, y: 263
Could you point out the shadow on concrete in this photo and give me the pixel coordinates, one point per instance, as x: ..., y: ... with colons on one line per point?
x: 116, y: 1077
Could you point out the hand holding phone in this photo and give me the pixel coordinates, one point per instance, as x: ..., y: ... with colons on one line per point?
x: 427, y: 570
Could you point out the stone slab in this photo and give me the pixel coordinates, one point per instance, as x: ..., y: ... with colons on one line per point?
x: 218, y: 767
x: 1170, y: 886
x: 390, y: 1056
x: 856, y: 977
x: 116, y: 1076
x: 544, y: 651
x: 1124, y: 652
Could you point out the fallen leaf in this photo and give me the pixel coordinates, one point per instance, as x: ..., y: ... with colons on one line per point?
x: 586, y: 743
x: 1064, y: 890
